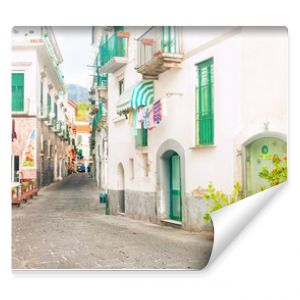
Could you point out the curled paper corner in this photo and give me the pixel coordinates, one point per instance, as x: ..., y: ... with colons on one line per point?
x: 229, y: 221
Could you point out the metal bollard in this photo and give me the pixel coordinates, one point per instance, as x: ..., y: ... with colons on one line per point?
x: 103, y: 198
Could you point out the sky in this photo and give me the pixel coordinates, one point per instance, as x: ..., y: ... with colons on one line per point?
x: 75, y: 46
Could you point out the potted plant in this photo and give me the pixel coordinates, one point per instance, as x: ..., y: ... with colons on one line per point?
x: 25, y: 186
x: 25, y: 190
x: 14, y: 192
x: 16, y: 199
x: 34, y: 188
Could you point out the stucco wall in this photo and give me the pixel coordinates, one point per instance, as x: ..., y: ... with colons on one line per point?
x: 250, y: 88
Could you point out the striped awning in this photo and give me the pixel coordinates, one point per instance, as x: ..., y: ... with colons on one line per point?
x: 143, y: 94
x: 124, y: 102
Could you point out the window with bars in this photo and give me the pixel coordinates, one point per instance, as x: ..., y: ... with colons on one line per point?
x: 141, y: 139
x: 205, y: 103
x: 17, y: 91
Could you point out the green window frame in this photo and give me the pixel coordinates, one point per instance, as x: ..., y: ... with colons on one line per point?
x: 54, y: 120
x: 205, y: 103
x: 141, y: 139
x: 48, y: 104
x: 17, y: 92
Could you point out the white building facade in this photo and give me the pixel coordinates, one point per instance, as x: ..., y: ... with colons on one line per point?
x: 98, y: 115
x: 224, y: 94
x: 40, y: 137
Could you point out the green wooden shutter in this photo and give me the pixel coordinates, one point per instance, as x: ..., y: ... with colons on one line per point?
x: 17, y: 91
x: 48, y: 104
x: 55, y: 114
x: 141, y: 139
x: 55, y: 109
x: 205, y: 109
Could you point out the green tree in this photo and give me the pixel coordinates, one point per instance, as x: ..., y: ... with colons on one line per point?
x: 83, y: 109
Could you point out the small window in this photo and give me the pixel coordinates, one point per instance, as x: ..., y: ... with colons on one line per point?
x: 17, y: 91
x: 141, y: 139
x: 205, y: 103
x: 121, y: 86
x: 146, y: 164
x: 131, y: 166
x: 16, y: 168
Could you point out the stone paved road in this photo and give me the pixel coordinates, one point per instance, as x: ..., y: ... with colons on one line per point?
x: 65, y: 228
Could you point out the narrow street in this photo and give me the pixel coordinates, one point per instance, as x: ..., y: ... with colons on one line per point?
x: 65, y: 227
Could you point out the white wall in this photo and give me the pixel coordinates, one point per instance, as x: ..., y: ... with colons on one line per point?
x: 240, y: 91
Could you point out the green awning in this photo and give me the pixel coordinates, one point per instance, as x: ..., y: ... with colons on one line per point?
x: 124, y: 102
x: 143, y: 94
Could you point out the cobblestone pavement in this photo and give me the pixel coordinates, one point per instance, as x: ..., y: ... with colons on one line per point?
x: 65, y: 228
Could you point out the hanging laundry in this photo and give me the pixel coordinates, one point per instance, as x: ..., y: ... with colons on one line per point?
x: 151, y: 118
x: 164, y: 111
x: 157, y: 112
x: 140, y: 118
x: 146, y: 117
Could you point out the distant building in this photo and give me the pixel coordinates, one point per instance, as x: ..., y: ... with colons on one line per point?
x: 98, y: 113
x: 83, y: 133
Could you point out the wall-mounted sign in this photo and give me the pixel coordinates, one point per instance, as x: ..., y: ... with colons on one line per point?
x: 147, y: 42
x: 29, y: 153
x: 34, y: 41
x: 123, y: 34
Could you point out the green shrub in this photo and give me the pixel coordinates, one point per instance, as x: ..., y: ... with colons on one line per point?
x: 217, y: 199
x: 278, y: 174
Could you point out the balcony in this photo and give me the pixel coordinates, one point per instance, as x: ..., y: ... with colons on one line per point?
x: 57, y: 127
x: 54, y: 59
x: 94, y: 109
x: 102, y: 82
x: 61, y: 131
x: 158, y: 50
x: 50, y: 121
x: 113, y: 53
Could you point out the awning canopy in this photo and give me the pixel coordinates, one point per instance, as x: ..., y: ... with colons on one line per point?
x: 124, y: 102
x: 143, y: 94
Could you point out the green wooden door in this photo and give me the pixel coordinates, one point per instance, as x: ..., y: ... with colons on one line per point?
x: 17, y: 91
x: 175, y: 188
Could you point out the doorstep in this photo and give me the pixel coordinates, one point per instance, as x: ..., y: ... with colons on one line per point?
x: 172, y: 223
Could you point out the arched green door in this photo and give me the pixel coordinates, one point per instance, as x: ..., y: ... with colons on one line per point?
x: 254, y: 161
x: 175, y: 188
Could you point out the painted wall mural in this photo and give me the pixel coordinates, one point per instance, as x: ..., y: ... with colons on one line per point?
x: 25, y: 146
x: 29, y: 153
